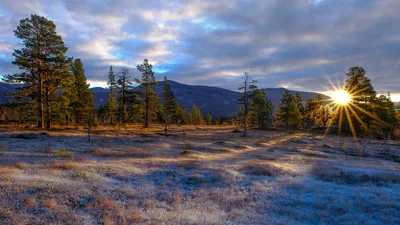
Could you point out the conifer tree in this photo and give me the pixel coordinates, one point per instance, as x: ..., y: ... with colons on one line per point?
x: 196, y: 118
x: 123, y: 83
x: 299, y: 101
x: 247, y: 88
x: 135, y: 108
x: 218, y: 119
x: 44, y: 63
x: 81, y: 97
x: 283, y: 112
x: 294, y: 115
x: 169, y: 103
x: 385, y: 111
x: 111, y: 107
x: 258, y: 107
x: 147, y: 82
x: 363, y: 99
x: 209, y: 119
x: 181, y: 115
x: 311, y: 106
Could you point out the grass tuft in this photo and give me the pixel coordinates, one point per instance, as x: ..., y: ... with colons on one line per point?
x: 50, y: 203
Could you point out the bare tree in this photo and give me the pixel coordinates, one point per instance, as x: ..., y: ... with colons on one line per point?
x: 247, y: 88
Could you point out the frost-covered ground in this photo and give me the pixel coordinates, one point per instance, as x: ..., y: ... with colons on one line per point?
x: 203, y: 175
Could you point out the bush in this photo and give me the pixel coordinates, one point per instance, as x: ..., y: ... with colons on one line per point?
x: 63, y: 154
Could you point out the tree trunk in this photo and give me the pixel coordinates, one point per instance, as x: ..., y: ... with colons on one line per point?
x: 40, y: 123
x: 147, y: 106
x: 48, y: 114
x: 245, y: 125
x: 123, y: 103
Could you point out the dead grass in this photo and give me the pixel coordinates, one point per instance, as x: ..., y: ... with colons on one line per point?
x: 6, y: 173
x: 30, y: 201
x: 134, y: 217
x: 62, y: 165
x: 207, y: 176
x: 257, y: 168
x: 20, y: 165
x: 50, y: 203
x: 342, y: 176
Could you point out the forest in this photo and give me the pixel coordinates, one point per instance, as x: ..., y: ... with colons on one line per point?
x: 55, y: 91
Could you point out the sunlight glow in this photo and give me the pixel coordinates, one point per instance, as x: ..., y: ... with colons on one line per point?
x: 341, y: 97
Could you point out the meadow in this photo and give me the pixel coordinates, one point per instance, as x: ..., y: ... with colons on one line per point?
x: 194, y: 175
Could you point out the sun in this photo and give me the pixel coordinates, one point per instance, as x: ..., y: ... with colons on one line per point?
x: 341, y: 97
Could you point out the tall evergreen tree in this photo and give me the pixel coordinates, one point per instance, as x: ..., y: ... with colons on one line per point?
x: 311, y: 106
x: 147, y: 82
x: 209, y: 119
x: 81, y: 97
x: 385, y: 111
x: 294, y: 115
x: 196, y: 118
x: 181, y: 115
x: 363, y: 99
x: 111, y: 107
x: 247, y: 88
x: 135, y: 108
x: 259, y: 107
x: 168, y: 103
x: 123, y: 83
x: 283, y: 112
x: 44, y: 63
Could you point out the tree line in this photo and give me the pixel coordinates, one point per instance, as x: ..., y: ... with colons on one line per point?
x: 366, y: 114
x: 55, y: 91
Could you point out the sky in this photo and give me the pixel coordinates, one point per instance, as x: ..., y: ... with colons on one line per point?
x: 295, y: 44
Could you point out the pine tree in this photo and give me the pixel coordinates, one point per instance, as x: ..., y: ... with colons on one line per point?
x: 247, y: 88
x: 196, y: 118
x: 44, y: 63
x: 135, y: 108
x: 209, y: 119
x: 294, y: 115
x: 169, y: 103
x: 123, y: 83
x: 81, y: 97
x: 363, y: 99
x: 181, y: 115
x: 147, y: 82
x: 283, y: 112
x: 385, y: 111
x: 259, y: 107
x: 111, y: 107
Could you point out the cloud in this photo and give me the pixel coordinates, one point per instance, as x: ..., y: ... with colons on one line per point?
x: 296, y: 44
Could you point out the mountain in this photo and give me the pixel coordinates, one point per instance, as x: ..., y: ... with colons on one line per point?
x: 217, y: 101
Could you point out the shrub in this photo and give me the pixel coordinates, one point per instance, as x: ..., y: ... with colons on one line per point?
x: 30, y: 201
x: 63, y: 154
x: 20, y: 165
x: 50, y: 203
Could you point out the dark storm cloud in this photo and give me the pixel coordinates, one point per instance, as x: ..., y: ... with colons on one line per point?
x: 297, y: 44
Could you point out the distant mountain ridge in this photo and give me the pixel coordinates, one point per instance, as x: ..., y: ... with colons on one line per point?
x: 215, y: 100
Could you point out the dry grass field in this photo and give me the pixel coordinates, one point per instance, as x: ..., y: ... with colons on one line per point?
x: 195, y: 175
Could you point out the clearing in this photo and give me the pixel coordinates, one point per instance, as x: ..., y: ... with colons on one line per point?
x: 195, y: 175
